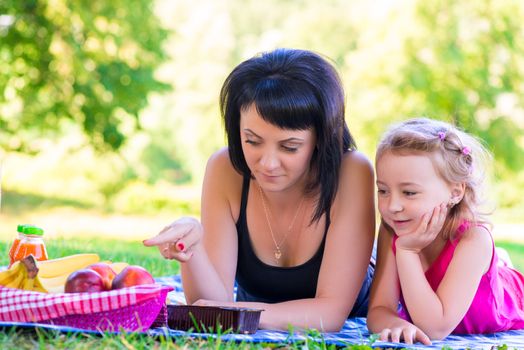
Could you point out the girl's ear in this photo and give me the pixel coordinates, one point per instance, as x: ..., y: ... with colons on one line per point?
x: 457, y: 192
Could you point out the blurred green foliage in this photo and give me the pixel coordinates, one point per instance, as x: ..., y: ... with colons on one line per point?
x: 89, y: 63
x: 94, y: 65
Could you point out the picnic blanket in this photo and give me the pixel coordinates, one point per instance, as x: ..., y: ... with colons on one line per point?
x: 354, y: 332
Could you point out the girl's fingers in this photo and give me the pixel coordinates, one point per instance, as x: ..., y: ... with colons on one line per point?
x: 384, y: 334
x: 395, y: 335
x: 423, y: 226
x: 437, y: 219
x: 422, y: 337
x: 408, y: 334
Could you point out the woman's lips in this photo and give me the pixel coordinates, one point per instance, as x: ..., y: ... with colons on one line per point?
x: 269, y: 178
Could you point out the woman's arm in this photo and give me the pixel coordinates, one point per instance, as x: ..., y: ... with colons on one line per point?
x: 346, y: 257
x: 438, y: 313
x: 210, y: 273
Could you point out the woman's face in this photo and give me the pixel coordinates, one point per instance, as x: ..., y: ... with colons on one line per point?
x: 278, y: 158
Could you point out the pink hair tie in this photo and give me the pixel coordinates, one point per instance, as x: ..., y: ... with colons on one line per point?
x: 466, y: 150
x: 441, y: 135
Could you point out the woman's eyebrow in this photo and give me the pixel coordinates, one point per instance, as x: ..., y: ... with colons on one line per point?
x: 291, y: 139
x: 251, y: 132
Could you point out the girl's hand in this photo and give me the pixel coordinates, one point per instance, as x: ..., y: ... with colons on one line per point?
x: 178, y: 240
x: 426, y: 232
x: 409, y: 333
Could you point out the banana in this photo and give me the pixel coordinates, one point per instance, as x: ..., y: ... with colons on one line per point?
x: 28, y: 284
x: 52, y: 282
x: 66, y: 265
x: 7, y: 276
x: 18, y: 278
x: 31, y: 281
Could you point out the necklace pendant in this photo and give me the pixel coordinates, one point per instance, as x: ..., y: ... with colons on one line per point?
x: 278, y: 254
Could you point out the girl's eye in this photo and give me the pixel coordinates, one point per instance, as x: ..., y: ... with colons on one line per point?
x: 379, y: 191
x: 409, y: 193
x: 251, y: 142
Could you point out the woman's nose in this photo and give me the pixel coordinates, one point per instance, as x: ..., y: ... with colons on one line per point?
x: 270, y: 160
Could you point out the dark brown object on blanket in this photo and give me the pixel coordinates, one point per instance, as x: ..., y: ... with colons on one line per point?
x: 213, y: 319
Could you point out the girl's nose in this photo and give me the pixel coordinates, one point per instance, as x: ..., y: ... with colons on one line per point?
x: 394, y: 205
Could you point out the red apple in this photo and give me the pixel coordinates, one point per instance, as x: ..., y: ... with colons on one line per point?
x: 84, y: 280
x: 132, y: 275
x: 104, y: 270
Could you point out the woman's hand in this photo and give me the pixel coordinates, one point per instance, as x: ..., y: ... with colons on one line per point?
x: 409, y: 333
x: 426, y: 232
x: 178, y: 240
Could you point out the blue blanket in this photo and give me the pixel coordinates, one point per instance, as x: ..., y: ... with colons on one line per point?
x: 354, y: 332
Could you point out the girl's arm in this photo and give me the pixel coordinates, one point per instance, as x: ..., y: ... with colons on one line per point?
x: 438, y: 313
x: 346, y: 257
x: 384, y: 299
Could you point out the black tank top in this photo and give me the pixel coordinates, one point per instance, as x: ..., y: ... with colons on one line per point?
x: 258, y: 281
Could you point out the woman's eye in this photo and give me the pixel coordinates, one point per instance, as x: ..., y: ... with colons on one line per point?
x: 409, y: 193
x: 289, y: 149
x: 379, y: 191
x: 251, y: 142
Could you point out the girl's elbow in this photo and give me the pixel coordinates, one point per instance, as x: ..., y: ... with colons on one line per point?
x: 437, y: 334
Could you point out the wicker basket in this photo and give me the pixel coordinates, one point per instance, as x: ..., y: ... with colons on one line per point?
x: 138, y: 317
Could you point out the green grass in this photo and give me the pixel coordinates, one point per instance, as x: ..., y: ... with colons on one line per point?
x: 515, y: 251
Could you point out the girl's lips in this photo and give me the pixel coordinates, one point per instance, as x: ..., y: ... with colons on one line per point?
x: 399, y: 223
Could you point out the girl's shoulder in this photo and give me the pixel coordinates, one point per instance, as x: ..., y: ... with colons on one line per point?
x: 476, y: 240
x: 474, y: 233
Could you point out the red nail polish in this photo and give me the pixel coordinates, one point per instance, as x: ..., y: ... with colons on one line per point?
x: 180, y: 246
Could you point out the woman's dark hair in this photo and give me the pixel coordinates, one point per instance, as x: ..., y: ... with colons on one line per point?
x: 297, y: 90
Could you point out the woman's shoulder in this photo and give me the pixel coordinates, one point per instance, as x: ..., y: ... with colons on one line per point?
x: 220, y: 171
x: 356, y: 164
x: 220, y: 162
x: 357, y: 159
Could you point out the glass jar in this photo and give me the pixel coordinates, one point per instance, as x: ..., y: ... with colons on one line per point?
x: 16, y: 243
x: 31, y: 243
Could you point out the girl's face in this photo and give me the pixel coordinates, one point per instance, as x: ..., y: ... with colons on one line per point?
x: 408, y: 187
x: 278, y: 158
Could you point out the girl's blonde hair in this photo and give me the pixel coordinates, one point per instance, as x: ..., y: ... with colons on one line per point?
x: 457, y: 157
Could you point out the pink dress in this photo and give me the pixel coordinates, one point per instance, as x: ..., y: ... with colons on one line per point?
x: 498, y: 304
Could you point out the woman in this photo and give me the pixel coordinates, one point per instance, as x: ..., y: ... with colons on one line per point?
x: 287, y: 207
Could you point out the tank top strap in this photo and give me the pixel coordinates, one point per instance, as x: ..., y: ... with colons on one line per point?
x: 245, y: 191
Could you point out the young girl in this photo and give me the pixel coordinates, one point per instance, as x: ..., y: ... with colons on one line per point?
x: 435, y: 253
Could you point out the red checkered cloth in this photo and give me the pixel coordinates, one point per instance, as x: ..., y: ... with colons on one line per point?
x: 18, y: 305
